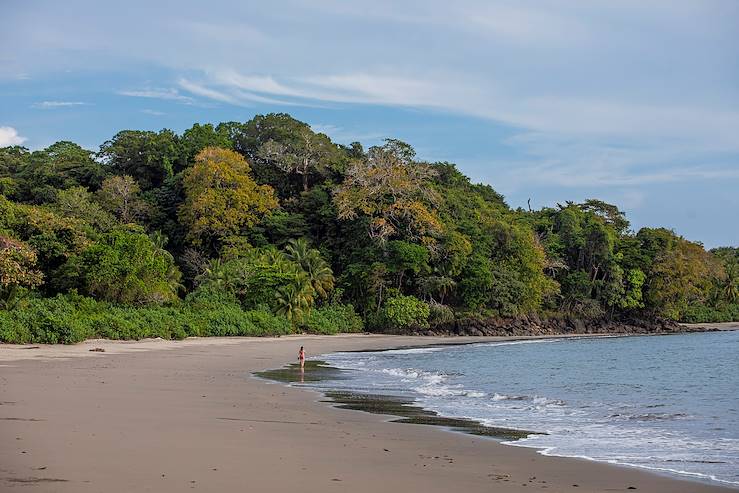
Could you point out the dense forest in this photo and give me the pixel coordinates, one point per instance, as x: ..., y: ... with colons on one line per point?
x: 266, y: 227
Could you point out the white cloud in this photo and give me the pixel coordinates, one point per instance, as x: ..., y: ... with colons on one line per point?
x: 704, y: 127
x: 166, y: 94
x: 346, y: 136
x: 9, y: 137
x: 153, y: 112
x: 623, y: 92
x: 51, y: 105
x: 234, y: 94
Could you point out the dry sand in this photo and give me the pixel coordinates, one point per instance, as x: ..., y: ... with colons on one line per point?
x: 178, y: 416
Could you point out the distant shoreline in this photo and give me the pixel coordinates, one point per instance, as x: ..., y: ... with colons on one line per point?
x: 714, y: 325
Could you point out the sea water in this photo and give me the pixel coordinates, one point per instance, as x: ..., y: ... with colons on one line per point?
x: 667, y: 403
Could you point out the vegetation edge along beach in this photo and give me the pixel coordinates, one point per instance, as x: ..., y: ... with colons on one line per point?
x: 267, y: 228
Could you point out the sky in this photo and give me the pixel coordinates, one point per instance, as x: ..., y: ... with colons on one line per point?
x: 630, y: 101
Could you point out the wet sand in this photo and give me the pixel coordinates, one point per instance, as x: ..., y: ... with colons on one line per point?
x: 177, y: 416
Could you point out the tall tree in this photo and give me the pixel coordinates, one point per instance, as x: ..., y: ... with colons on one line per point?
x: 149, y: 157
x: 17, y: 269
x: 222, y: 199
x: 392, y: 191
x: 119, y: 195
x: 320, y: 275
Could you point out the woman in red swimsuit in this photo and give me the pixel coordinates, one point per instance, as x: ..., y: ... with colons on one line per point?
x: 301, y: 357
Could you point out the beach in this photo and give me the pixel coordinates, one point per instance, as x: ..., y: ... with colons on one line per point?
x: 170, y: 416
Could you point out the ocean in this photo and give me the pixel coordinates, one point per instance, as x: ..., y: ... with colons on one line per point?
x: 666, y: 403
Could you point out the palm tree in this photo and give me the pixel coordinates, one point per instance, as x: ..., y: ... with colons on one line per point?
x: 217, y: 274
x: 730, y: 285
x: 173, y: 275
x: 294, y: 300
x: 319, y: 273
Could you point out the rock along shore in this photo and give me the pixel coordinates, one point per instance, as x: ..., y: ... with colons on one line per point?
x: 533, y: 325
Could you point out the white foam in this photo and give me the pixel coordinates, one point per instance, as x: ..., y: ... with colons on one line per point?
x: 417, y: 350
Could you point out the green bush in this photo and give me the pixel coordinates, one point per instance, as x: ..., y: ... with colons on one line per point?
x: 707, y: 314
x: 402, y: 312
x: 47, y: 320
x: 332, y: 319
x: 72, y: 318
x: 440, y: 314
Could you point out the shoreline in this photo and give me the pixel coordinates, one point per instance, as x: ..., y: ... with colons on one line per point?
x: 400, y: 409
x: 173, y: 415
x: 714, y: 325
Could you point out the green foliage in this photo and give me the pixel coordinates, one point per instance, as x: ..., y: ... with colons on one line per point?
x: 477, y: 282
x: 407, y: 258
x: 440, y: 314
x: 149, y: 157
x: 79, y: 203
x: 377, y: 231
x: 707, y: 314
x: 221, y: 197
x: 37, y: 176
x: 402, y: 312
x: 127, y: 268
x: 332, y: 319
x: 17, y: 269
x: 392, y: 192
x: 679, y: 278
x: 71, y: 318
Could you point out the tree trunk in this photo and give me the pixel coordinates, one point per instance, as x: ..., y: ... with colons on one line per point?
x: 305, y: 174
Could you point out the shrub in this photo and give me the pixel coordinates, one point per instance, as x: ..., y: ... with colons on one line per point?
x: 707, y: 314
x: 332, y: 319
x: 73, y: 318
x: 402, y: 312
x: 440, y: 314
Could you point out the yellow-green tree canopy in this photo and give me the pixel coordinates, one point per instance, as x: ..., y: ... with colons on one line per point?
x: 392, y: 191
x: 221, y: 198
x: 17, y: 268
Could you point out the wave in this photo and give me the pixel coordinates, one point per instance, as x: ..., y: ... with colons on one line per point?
x: 432, y: 384
x: 619, y: 462
x: 536, y: 400
x: 516, y: 343
x: 416, y: 350
x: 650, y: 416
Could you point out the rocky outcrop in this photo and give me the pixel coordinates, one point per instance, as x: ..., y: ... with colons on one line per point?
x: 533, y: 325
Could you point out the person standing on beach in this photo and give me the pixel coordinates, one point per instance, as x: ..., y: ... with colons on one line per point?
x: 301, y: 357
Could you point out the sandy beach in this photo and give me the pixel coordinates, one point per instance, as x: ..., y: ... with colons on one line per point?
x: 167, y: 416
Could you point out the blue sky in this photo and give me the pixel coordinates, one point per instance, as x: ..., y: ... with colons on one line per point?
x: 633, y: 102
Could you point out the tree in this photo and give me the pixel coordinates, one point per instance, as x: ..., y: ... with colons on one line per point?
x: 77, y: 202
x: 679, y: 277
x: 125, y: 267
x: 610, y: 214
x: 316, y: 269
x: 221, y: 197
x: 294, y: 301
x: 404, y: 257
x: 198, y: 137
x: 149, y: 157
x: 308, y: 154
x: 119, y: 195
x: 392, y: 191
x: 439, y: 285
x: 39, y: 175
x: 282, y: 148
x: 727, y: 284
x: 17, y: 269
x: 53, y: 237
x: 730, y: 284
x: 401, y: 312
